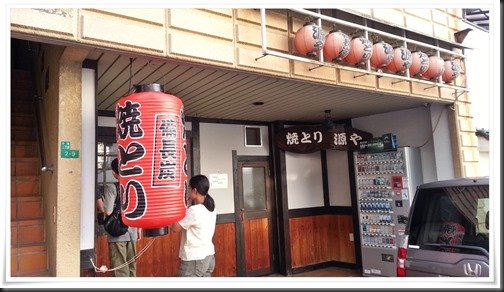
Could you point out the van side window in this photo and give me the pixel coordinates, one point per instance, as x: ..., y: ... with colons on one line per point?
x: 451, y: 216
x: 482, y: 215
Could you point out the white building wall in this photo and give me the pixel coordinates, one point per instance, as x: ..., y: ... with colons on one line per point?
x: 413, y: 127
x: 484, y: 156
x: 442, y: 143
x: 304, y: 180
x: 338, y: 178
x: 88, y: 156
x: 217, y: 141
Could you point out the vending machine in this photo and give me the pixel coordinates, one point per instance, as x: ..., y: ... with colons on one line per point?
x: 386, y: 183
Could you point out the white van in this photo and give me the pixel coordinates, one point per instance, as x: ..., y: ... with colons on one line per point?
x: 448, y: 231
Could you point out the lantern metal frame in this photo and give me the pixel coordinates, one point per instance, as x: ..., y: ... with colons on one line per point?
x: 366, y: 30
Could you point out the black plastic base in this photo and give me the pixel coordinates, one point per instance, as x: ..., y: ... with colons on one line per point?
x: 156, y: 232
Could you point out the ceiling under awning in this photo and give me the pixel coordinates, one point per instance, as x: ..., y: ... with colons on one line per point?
x: 219, y: 93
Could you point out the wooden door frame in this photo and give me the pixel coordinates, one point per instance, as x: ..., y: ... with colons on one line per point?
x: 240, y: 244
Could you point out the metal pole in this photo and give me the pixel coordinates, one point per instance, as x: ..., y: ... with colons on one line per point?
x: 321, y: 51
x: 263, y: 29
x: 263, y: 34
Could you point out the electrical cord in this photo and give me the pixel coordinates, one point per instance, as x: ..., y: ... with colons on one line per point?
x: 104, y: 269
x: 433, y: 130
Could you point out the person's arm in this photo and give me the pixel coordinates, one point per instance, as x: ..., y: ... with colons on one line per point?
x: 109, y: 196
x: 100, y: 205
x: 175, y: 227
x: 185, y: 223
x: 100, y: 210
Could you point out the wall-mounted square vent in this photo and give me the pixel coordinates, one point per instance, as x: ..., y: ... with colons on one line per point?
x: 253, y: 137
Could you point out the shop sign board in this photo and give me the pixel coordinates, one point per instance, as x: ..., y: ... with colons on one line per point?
x: 308, y: 139
x: 386, y: 142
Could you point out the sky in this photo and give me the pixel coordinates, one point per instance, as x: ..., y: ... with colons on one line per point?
x: 479, y: 75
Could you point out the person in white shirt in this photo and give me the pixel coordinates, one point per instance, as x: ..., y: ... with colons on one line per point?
x: 198, y: 226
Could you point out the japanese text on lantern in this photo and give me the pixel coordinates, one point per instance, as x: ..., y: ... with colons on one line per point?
x: 307, y: 138
x: 129, y: 127
x: 129, y: 124
x: 166, y: 154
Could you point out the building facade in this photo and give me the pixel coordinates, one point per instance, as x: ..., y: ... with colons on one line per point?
x: 237, y: 72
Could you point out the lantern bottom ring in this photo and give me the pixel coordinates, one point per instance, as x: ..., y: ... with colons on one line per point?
x: 153, y: 232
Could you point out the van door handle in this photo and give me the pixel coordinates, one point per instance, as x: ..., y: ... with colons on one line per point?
x: 242, y: 215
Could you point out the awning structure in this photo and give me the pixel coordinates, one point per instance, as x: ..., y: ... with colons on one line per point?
x: 479, y: 17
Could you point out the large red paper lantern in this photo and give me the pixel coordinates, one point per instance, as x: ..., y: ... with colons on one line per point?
x: 336, y: 46
x: 401, y: 61
x: 360, y: 51
x: 309, y: 39
x: 419, y: 64
x: 436, y: 68
x: 382, y: 55
x: 151, y: 150
x: 452, y: 70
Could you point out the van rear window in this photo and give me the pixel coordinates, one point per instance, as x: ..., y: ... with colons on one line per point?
x: 451, y: 219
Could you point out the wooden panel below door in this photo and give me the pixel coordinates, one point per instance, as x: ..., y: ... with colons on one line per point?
x: 102, y: 258
x: 225, y: 250
x: 257, y: 251
x: 345, y: 246
x: 321, y: 238
x: 161, y: 258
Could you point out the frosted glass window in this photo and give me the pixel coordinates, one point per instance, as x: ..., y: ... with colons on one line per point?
x: 254, y: 188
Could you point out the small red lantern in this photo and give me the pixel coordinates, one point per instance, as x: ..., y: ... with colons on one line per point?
x: 452, y: 70
x: 337, y: 46
x: 360, y: 51
x: 419, y: 64
x: 382, y: 55
x: 309, y: 39
x: 151, y: 150
x: 436, y: 68
x: 401, y: 61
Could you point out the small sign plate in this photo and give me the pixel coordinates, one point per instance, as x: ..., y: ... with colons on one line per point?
x: 66, y: 152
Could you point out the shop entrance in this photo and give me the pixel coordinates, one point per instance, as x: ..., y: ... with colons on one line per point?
x: 255, y: 228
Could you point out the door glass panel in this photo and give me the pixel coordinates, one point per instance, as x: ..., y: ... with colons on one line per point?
x: 254, y: 188
x: 104, y: 158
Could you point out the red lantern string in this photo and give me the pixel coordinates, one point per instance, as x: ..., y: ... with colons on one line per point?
x: 401, y: 62
x: 336, y: 46
x: 382, y: 55
x: 451, y: 70
x: 309, y: 39
x: 419, y: 63
x: 360, y: 51
x: 436, y: 68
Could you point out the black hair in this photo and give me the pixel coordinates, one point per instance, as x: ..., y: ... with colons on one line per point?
x: 201, y: 184
x: 113, y: 166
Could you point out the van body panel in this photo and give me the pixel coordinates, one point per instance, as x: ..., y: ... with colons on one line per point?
x: 448, y: 231
x: 425, y: 263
